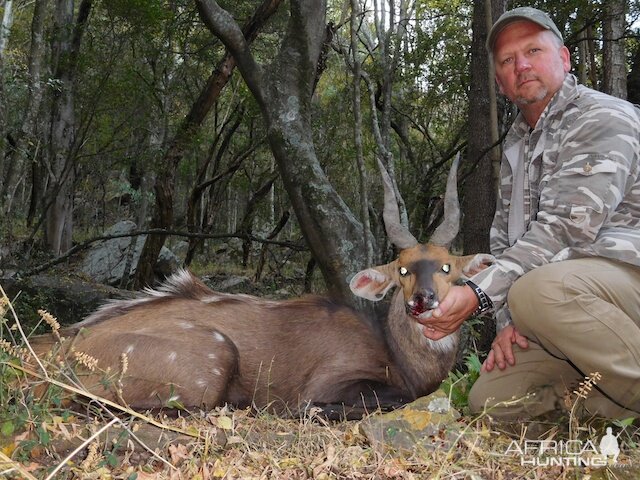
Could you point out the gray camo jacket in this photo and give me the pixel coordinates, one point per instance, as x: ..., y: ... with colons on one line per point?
x: 581, y: 189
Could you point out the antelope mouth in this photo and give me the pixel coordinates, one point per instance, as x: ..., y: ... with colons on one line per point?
x: 422, y: 313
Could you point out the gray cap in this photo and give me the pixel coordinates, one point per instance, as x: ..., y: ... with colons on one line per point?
x: 518, y: 14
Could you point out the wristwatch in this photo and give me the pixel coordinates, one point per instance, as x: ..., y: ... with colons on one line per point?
x: 484, y: 302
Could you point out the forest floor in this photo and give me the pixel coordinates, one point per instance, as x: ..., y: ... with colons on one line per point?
x: 241, y: 445
x: 44, y: 437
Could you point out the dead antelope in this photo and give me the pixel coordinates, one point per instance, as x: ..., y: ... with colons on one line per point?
x: 199, y: 348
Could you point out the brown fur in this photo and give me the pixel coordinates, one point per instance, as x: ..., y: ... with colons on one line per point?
x: 265, y: 353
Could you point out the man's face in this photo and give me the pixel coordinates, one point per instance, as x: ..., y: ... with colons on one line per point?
x: 530, y: 64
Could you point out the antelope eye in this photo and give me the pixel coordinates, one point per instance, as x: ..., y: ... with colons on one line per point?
x: 446, y: 268
x: 403, y: 271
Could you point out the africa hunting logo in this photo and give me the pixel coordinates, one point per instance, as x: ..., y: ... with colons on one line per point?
x: 577, y: 453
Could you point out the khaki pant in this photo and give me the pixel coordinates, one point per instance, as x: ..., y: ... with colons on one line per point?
x: 581, y: 316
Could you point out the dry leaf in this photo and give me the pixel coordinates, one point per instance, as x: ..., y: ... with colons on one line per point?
x: 141, y: 475
x: 226, y: 423
x: 178, y: 453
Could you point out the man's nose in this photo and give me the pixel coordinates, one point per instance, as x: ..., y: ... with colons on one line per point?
x: 522, y: 63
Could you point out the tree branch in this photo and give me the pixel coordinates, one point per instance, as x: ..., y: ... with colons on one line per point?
x: 223, y: 26
x: 157, y: 231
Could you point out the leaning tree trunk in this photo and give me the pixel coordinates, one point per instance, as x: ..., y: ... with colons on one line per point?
x: 283, y: 91
x: 480, y: 188
x: 615, y: 71
x: 164, y: 185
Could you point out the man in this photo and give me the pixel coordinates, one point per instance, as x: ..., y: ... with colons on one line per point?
x: 565, y: 286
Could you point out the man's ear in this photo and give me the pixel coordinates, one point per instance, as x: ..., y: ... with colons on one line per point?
x: 373, y: 283
x: 472, y: 264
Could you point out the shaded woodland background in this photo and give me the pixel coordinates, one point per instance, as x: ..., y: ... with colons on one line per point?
x: 245, y: 134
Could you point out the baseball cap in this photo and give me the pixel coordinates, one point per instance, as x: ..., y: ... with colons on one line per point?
x: 518, y: 14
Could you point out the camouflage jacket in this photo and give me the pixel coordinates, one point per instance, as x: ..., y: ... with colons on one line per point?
x: 581, y: 189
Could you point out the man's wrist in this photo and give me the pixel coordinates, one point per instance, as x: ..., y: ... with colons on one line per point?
x: 484, y: 302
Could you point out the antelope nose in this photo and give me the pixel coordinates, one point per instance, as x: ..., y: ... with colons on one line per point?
x: 427, y: 296
x: 423, y: 300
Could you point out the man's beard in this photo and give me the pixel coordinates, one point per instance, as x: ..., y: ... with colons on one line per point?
x: 540, y: 95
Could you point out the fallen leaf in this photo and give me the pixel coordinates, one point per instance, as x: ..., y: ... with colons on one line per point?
x: 178, y: 453
x: 226, y: 423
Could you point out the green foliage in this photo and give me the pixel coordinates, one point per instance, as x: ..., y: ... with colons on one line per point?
x: 21, y: 410
x: 139, y: 12
x: 458, y: 384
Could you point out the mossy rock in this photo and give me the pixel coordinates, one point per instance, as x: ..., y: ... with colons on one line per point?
x: 68, y: 298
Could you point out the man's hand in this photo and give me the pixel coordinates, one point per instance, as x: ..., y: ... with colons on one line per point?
x: 459, y: 303
x: 501, y: 353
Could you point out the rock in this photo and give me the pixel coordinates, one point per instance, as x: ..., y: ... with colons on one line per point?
x: 179, y: 248
x: 106, y: 261
x: 69, y: 299
x: 428, y: 423
x: 232, y: 284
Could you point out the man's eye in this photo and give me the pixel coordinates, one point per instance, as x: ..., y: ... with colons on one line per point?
x: 446, y: 268
x: 403, y: 271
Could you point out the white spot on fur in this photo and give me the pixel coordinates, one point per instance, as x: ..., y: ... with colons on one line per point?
x: 172, y: 356
x: 201, y: 383
x: 212, y: 356
x: 216, y: 371
x: 186, y: 325
x: 218, y: 336
x: 129, y: 349
x: 153, y: 394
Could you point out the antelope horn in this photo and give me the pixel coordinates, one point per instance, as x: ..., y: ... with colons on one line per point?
x: 399, y: 235
x: 448, y: 229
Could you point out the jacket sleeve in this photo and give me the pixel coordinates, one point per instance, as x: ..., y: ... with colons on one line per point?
x: 589, y: 179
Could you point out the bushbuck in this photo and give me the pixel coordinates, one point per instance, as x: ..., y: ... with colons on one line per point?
x: 188, y: 345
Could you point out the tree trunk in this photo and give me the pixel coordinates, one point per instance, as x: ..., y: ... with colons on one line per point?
x: 357, y: 133
x: 582, y: 66
x: 28, y: 128
x: 5, y: 28
x: 246, y: 224
x: 633, y: 80
x: 593, y: 64
x: 283, y: 93
x: 480, y: 188
x: 164, y: 186
x: 60, y: 189
x: 615, y: 71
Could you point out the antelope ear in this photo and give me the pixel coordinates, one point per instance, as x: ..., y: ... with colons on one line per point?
x: 372, y: 284
x: 472, y: 264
